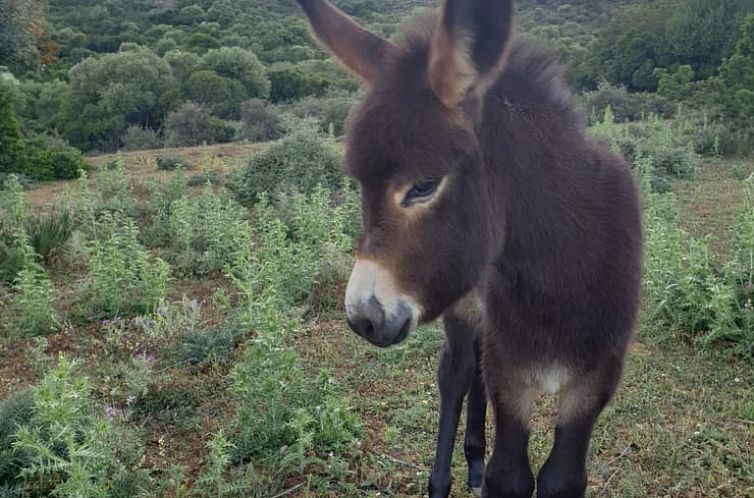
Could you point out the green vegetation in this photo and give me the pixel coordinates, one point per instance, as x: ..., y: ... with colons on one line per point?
x: 180, y: 336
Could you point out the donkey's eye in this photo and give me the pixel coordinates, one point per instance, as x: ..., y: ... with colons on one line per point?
x: 424, y: 188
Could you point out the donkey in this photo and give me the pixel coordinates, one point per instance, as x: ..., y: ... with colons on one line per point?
x: 478, y: 179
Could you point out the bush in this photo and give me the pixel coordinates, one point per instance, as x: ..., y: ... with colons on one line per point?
x: 259, y: 121
x: 330, y: 111
x: 202, y: 232
x: 16, y: 410
x: 52, y: 159
x: 139, y: 138
x: 301, y: 160
x: 220, y: 131
x: 202, y: 346
x: 123, y: 277
x: 187, y: 126
x: 69, y: 447
x: 625, y: 106
x: 689, y: 292
x: 666, y: 143
x: 170, y: 163
x: 49, y: 233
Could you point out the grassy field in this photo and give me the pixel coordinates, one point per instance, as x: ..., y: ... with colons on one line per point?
x: 681, y: 425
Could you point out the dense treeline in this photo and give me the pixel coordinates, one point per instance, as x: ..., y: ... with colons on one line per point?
x: 140, y: 74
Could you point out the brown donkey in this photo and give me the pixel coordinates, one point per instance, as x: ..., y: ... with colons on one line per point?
x: 484, y: 200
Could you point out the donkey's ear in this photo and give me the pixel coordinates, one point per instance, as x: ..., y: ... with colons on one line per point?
x: 469, y: 47
x: 360, y: 51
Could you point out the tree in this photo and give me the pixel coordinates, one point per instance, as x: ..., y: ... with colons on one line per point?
x: 222, y: 96
x: 111, y: 92
x: 12, y: 150
x: 241, y: 65
x: 290, y: 82
x: 675, y: 86
x: 188, y: 125
x: 21, y: 24
x: 737, y: 73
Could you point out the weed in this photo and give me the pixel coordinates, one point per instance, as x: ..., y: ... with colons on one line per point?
x: 123, y: 277
x: 69, y: 446
x: 31, y: 310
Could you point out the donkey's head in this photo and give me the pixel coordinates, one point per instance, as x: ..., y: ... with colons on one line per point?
x: 413, y: 148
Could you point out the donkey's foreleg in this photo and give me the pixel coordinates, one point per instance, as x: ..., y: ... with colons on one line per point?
x: 564, y: 473
x: 454, y: 375
x: 474, y: 443
x: 508, y: 473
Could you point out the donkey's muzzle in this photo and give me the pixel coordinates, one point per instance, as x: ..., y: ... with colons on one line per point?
x: 377, y: 310
x: 369, y: 321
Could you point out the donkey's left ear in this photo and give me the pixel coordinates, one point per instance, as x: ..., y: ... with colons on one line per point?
x: 469, y: 48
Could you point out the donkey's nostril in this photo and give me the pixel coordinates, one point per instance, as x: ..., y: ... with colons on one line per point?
x: 362, y: 326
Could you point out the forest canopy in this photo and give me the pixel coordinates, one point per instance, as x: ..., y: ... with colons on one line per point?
x: 104, y: 75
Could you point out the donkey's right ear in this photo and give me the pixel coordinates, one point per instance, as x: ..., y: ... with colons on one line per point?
x: 360, y: 51
x: 469, y: 47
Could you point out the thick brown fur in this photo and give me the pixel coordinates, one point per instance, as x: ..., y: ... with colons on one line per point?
x: 544, y: 223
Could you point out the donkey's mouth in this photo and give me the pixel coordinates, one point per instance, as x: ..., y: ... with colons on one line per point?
x: 403, y: 333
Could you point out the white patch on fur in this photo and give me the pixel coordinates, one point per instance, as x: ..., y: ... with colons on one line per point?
x: 370, y: 279
x: 471, y: 308
x: 551, y: 378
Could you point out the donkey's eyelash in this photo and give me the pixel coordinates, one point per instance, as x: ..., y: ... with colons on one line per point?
x: 421, y: 191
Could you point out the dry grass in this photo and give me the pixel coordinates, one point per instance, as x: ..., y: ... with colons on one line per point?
x: 140, y: 165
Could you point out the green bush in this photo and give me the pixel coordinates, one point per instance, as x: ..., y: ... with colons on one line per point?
x: 58, y: 163
x: 199, y: 347
x: 331, y: 110
x: 666, y: 143
x: 300, y: 161
x: 170, y: 163
x: 69, y: 447
x: 31, y: 310
x: 48, y: 233
x: 15, y: 410
x: 625, y: 105
x: 123, y: 277
x: 201, y: 233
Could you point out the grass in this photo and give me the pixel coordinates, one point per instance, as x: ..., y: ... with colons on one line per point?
x: 681, y: 425
x: 142, y: 164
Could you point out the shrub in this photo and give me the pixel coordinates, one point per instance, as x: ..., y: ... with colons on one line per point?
x: 31, y: 310
x: 665, y: 143
x: 123, y: 277
x: 301, y: 160
x: 689, y: 292
x: 50, y: 158
x: 139, y: 138
x: 15, y: 410
x: 169, y: 163
x: 259, y: 121
x: 201, y: 231
x: 70, y: 449
x: 202, y: 346
x: 220, y: 131
x: 625, y: 106
x: 187, y: 126
x: 49, y: 233
x: 330, y: 111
